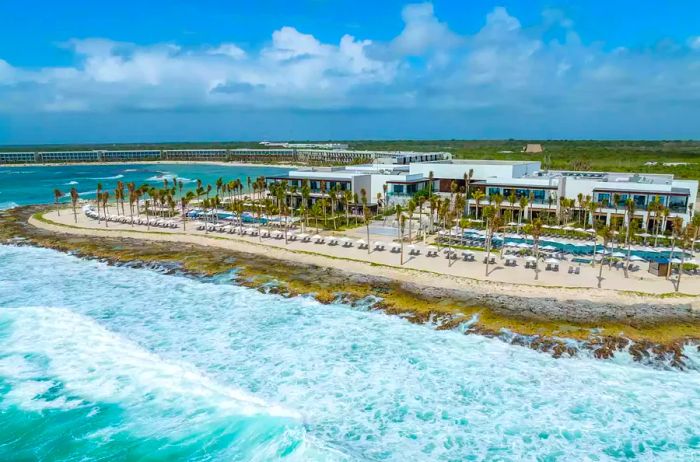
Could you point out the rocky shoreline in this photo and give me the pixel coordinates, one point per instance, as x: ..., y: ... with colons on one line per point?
x: 655, y: 334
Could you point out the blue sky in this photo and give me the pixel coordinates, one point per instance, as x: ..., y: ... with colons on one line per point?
x: 85, y: 71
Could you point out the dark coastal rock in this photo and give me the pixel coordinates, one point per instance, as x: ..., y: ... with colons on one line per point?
x: 370, y: 292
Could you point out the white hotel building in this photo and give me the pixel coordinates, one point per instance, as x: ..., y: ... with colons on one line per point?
x: 522, y: 178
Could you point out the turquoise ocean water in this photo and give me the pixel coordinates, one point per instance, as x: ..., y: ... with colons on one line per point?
x: 111, y: 363
x: 32, y: 185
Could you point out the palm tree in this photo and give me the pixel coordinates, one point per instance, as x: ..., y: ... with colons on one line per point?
x: 117, y: 194
x: 333, y: 198
x: 57, y: 195
x: 695, y: 223
x: 105, y: 199
x: 385, y: 189
x: 467, y: 184
x: 98, y: 195
x: 421, y: 202
x: 489, y: 214
x: 478, y: 195
x: 605, y: 233
x: 410, y: 208
x: 616, y: 201
x: 398, y: 210
x: 402, y: 226
x: 347, y: 198
x: 306, y: 194
x: 366, y: 214
x: 184, y: 202
x: 593, y: 207
x: 74, y: 201
x: 687, y: 239
x: 534, y: 229
x: 676, y: 232
x: 496, y: 200
x: 522, y: 204
x: 120, y: 187
x: 356, y: 201
x: 629, y: 209
x: 434, y: 202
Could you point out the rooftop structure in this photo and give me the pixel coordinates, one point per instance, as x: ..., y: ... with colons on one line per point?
x: 305, y: 145
x: 533, y: 148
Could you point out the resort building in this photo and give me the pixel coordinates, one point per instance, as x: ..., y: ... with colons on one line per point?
x: 305, y: 145
x: 370, y: 179
x: 194, y: 154
x: 511, y: 180
x: 115, y: 156
x: 68, y: 156
x: 17, y: 157
x: 309, y: 153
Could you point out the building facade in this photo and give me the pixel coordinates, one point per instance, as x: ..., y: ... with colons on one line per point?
x: 511, y: 180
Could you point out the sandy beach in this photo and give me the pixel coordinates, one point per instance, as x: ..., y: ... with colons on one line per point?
x: 640, y: 288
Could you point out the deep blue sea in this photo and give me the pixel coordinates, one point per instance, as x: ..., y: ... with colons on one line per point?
x: 110, y: 363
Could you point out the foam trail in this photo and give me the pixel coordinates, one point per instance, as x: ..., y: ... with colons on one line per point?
x: 70, y: 183
x: 8, y: 205
x: 45, y: 349
x: 115, y: 177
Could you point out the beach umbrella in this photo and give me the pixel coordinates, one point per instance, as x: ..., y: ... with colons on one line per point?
x: 316, y: 237
x: 361, y: 242
x: 590, y: 230
x: 636, y: 258
x: 676, y: 261
x: 512, y: 223
x: 524, y: 245
x: 618, y: 255
x: 378, y: 244
x: 552, y: 261
x: 411, y: 247
x: 530, y: 258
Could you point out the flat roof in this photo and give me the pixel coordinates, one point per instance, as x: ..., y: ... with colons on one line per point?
x: 481, y: 162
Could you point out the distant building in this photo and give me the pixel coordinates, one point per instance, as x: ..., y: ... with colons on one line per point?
x: 533, y: 148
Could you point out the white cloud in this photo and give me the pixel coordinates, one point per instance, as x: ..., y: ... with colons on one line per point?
x: 694, y: 42
x: 423, y: 33
x: 503, y: 65
x: 228, y: 49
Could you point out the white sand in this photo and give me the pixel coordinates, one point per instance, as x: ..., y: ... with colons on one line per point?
x: 640, y: 287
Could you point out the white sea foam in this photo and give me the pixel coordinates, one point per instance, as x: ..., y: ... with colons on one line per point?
x: 94, y: 362
x: 115, y: 177
x: 170, y: 177
x: 70, y: 183
x: 370, y: 385
x: 8, y: 205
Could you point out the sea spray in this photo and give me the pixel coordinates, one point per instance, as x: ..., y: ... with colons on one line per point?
x: 368, y: 385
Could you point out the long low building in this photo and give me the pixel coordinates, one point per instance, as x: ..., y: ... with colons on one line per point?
x: 396, y: 183
x: 270, y: 154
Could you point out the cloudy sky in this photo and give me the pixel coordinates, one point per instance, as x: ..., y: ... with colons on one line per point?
x: 84, y: 71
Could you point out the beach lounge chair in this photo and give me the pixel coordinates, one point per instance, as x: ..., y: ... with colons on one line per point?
x: 577, y: 270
